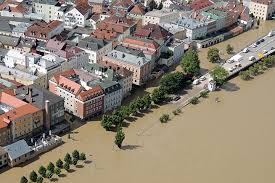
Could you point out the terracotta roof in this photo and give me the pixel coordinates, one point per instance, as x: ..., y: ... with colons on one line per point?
x: 141, y: 42
x: 153, y: 31
x: 18, y: 112
x: 10, y: 100
x: 70, y: 85
x: 3, y: 125
x: 93, y: 92
x: 83, y: 9
x: 138, y: 9
x: 41, y: 29
x: 200, y: 4
x: 55, y: 44
x: 66, y: 73
x: 122, y: 3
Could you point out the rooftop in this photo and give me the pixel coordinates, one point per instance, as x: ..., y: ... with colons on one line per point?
x: 17, y: 149
x: 160, y: 13
x: 128, y: 58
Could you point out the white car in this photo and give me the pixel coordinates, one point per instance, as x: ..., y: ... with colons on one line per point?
x: 265, y: 51
x: 231, y: 69
x: 270, y: 34
x: 245, y: 50
x: 230, y: 61
x: 254, y: 45
x: 202, y: 78
x: 196, y: 82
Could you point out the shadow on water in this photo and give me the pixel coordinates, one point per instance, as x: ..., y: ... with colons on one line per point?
x: 130, y: 147
x: 231, y: 87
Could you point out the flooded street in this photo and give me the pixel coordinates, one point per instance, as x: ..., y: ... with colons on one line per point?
x: 227, y: 142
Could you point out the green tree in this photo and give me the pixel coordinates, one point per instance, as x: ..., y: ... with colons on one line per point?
x: 50, y: 167
x: 82, y: 156
x: 75, y: 154
x: 190, y: 63
x: 33, y: 176
x: 49, y: 174
x: 254, y: 71
x: 57, y: 171
x: 204, y: 94
x: 153, y: 5
x: 147, y: 101
x: 229, y: 49
x: 269, y: 61
x: 194, y: 100
x: 244, y: 75
x: 219, y: 74
x: 158, y: 95
x: 67, y: 166
x: 133, y: 107
x: 172, y: 82
x: 68, y: 158
x: 120, y: 136
x: 39, y: 179
x: 59, y: 163
x: 42, y: 171
x: 164, y: 118
x: 106, y: 122
x: 24, y: 180
x: 160, y: 6
x: 213, y: 55
x: 75, y: 161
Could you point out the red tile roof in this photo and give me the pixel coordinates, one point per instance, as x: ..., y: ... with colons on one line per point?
x: 69, y: 84
x: 92, y: 92
x: 200, y: 4
x: 10, y: 100
x: 41, y: 29
x: 138, y: 9
x: 18, y: 112
x: 153, y: 31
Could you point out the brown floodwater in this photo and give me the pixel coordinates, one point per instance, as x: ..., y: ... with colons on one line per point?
x: 230, y: 141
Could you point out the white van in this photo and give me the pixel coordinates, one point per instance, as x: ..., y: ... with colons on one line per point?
x: 196, y: 82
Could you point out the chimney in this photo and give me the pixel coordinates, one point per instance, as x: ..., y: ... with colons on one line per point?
x: 30, y: 94
x: 47, y: 120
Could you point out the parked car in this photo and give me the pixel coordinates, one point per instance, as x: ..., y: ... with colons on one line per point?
x: 262, y: 40
x: 176, y: 98
x: 196, y: 82
x: 252, y: 58
x: 254, y: 45
x: 270, y: 34
x: 265, y: 51
x: 245, y: 50
x: 202, y: 78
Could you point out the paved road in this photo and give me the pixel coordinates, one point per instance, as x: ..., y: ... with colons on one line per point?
x: 268, y: 45
x: 257, y: 52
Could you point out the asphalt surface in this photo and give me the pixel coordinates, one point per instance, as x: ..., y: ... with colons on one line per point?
x: 263, y: 49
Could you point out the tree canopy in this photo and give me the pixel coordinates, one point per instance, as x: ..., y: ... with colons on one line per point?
x: 213, y: 55
x: 172, y: 82
x: 219, y: 74
x: 190, y: 62
x: 120, y: 136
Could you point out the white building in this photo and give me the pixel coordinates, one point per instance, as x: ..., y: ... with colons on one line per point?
x: 262, y: 9
x: 77, y: 16
x: 194, y: 28
x: 48, y: 8
x: 160, y: 16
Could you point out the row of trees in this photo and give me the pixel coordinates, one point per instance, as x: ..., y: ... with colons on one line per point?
x: 56, y: 169
x: 258, y: 68
x: 118, y: 116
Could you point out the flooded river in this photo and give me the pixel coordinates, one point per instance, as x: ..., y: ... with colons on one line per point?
x: 227, y: 142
